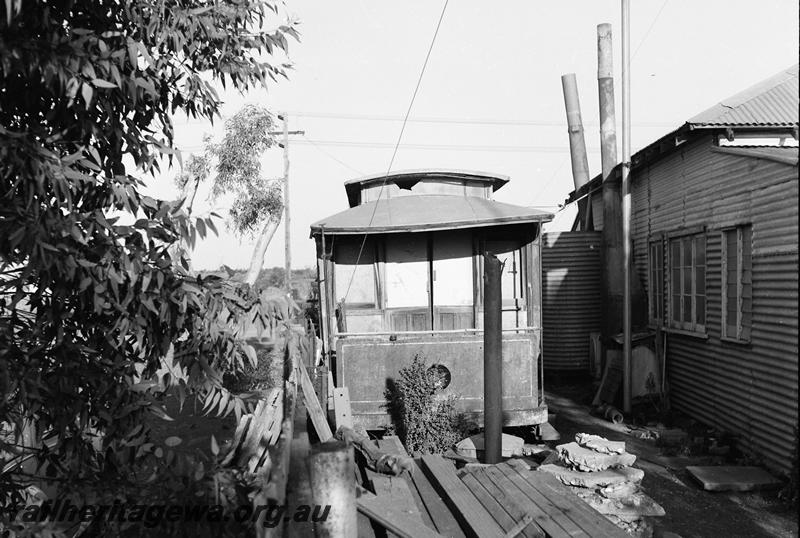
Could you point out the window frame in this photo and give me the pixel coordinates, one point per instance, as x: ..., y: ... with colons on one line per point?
x: 690, y: 326
x: 376, y: 254
x: 743, y: 333
x: 656, y: 280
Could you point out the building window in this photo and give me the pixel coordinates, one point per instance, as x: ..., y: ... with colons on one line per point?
x: 687, y: 268
x: 737, y: 283
x: 656, y: 281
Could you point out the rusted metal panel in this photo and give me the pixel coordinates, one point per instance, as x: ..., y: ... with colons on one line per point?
x: 571, y: 282
x: 369, y: 365
x: 750, y: 388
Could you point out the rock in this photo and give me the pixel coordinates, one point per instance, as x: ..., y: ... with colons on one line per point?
x: 600, y: 444
x: 631, y: 507
x: 536, y: 450
x: 619, y: 491
x: 637, y: 528
x: 585, y: 459
x: 471, y: 446
x: 596, y: 479
x: 551, y: 459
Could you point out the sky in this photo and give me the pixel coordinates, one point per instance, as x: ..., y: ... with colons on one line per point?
x: 490, y: 98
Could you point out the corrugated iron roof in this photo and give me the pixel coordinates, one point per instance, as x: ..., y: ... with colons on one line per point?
x: 432, y: 212
x: 770, y: 103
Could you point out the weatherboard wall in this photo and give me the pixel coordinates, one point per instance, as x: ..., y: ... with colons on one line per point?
x: 748, y: 389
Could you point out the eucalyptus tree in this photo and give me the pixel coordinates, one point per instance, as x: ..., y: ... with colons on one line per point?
x: 89, y: 305
x: 257, y: 202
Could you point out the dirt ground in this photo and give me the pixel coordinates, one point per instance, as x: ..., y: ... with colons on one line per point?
x: 690, y: 511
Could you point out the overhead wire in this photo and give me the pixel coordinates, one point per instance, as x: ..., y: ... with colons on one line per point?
x: 397, y: 145
x: 650, y: 28
x: 444, y: 120
x: 453, y: 147
x: 319, y: 148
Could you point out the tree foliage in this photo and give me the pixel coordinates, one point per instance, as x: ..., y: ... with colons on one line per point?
x: 196, y: 168
x: 238, y: 169
x: 90, y: 299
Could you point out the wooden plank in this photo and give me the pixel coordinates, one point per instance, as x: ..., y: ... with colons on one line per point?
x: 331, y: 386
x: 341, y: 408
x: 364, y: 526
x: 510, y: 503
x: 312, y: 405
x: 391, y: 445
x: 388, y: 516
x: 263, y: 431
x: 298, y: 486
x: 444, y: 520
x: 500, y: 515
x: 558, y: 509
x: 589, y: 519
x: 540, y: 514
x: 397, y: 491
x: 471, y: 514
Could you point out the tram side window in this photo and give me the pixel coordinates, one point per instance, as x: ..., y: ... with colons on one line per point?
x: 407, y: 269
x: 355, y: 284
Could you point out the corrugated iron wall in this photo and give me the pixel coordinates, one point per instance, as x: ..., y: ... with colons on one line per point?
x: 571, y: 284
x: 748, y: 389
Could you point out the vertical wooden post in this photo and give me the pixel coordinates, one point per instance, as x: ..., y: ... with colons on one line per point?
x: 287, y: 222
x: 333, y: 484
x: 492, y: 359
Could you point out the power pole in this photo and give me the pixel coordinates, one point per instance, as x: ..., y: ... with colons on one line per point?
x: 286, y: 216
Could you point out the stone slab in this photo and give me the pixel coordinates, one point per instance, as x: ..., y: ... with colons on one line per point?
x: 584, y: 459
x: 630, y: 507
x: 732, y: 478
x: 473, y: 446
x: 600, y: 444
x: 596, y: 479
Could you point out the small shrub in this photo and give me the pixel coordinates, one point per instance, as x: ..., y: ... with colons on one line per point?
x: 426, y: 423
x: 267, y: 373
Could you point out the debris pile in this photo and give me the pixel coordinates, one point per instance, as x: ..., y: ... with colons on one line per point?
x: 600, y: 472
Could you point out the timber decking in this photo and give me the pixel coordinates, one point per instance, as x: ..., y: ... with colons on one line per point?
x: 501, y: 499
x: 475, y: 519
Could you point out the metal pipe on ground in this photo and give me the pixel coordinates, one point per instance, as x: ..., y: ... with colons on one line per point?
x: 577, y: 144
x: 332, y: 475
x: 609, y: 413
x: 492, y: 359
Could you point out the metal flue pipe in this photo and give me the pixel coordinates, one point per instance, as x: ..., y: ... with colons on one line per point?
x: 605, y: 85
x: 492, y: 359
x: 626, y: 206
x: 612, y: 211
x: 577, y: 144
